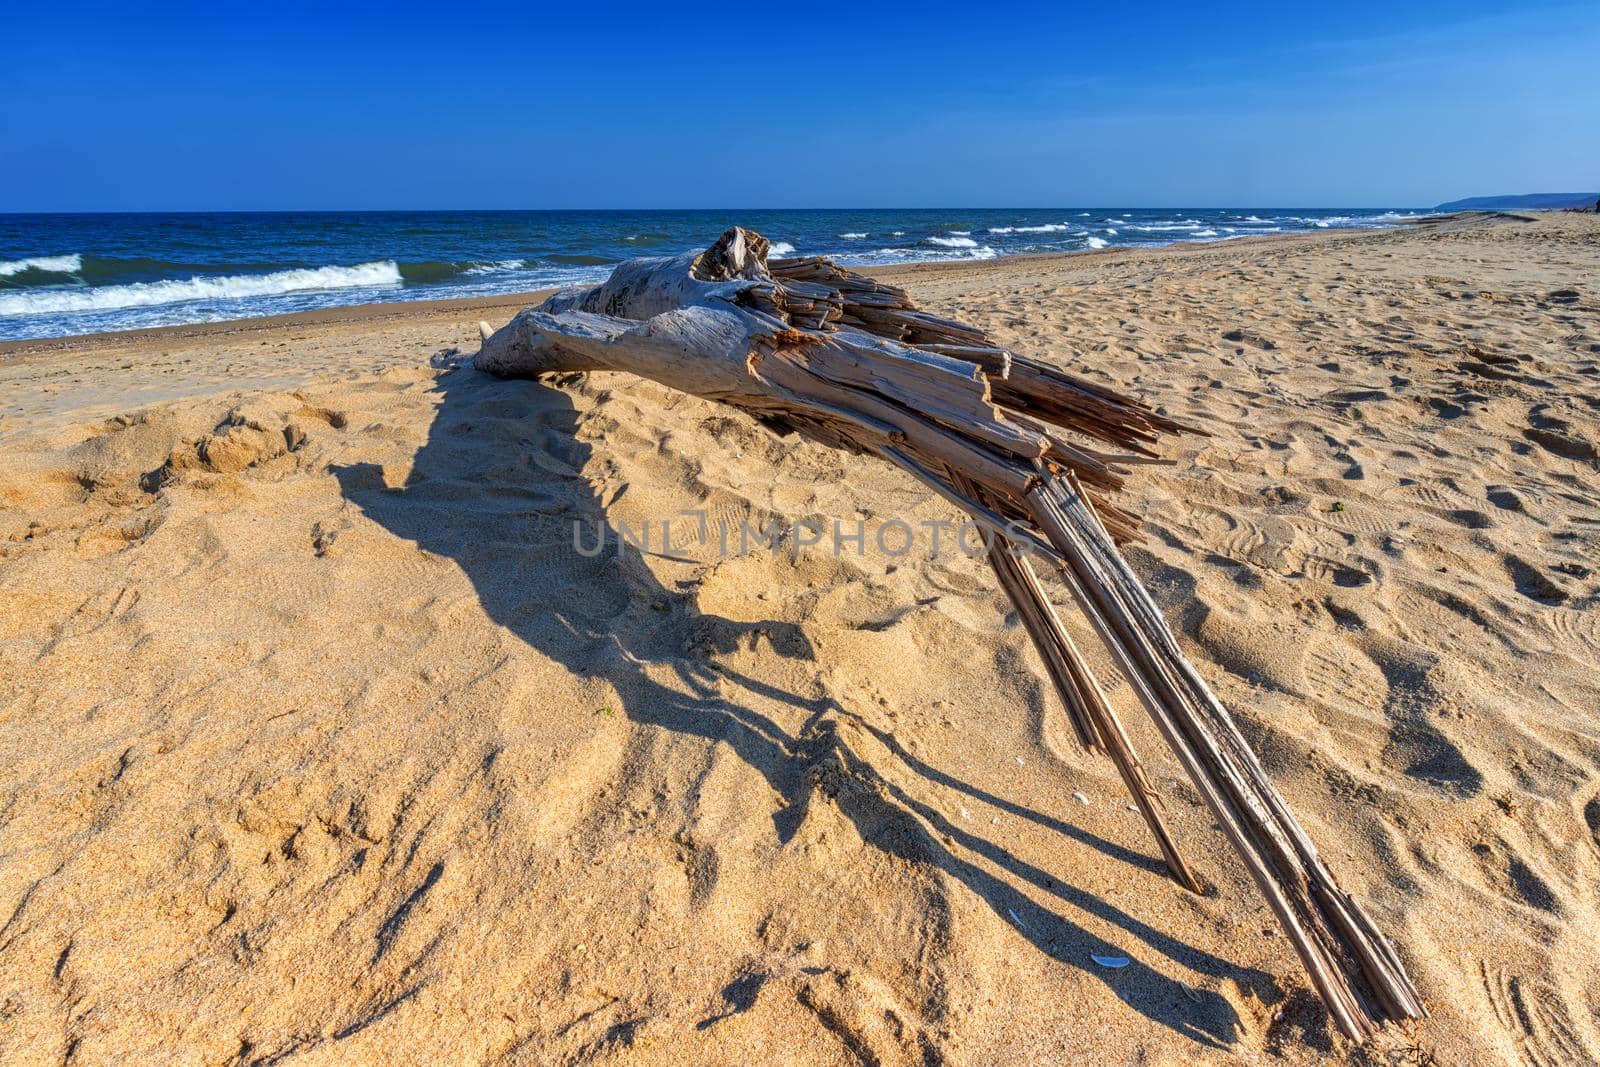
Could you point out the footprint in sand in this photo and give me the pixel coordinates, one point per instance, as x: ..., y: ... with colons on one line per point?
x: 1560, y: 443
x: 1341, y: 675
x: 1571, y: 625
x: 1532, y: 582
x: 1536, y: 1018
x: 1358, y: 517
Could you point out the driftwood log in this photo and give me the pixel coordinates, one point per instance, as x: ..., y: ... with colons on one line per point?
x: 1034, y: 454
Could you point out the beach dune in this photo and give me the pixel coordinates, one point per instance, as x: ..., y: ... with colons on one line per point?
x: 323, y: 741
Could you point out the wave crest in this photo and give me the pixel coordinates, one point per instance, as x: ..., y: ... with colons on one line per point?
x: 230, y: 287
x: 69, y: 264
x: 1049, y: 227
x: 497, y: 267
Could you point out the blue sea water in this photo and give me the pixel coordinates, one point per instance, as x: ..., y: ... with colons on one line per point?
x: 74, y: 274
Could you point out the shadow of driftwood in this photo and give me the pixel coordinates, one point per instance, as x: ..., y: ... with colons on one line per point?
x: 496, y: 488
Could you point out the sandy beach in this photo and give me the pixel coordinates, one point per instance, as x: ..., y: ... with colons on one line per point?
x: 321, y: 743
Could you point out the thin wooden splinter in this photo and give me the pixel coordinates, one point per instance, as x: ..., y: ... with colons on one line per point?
x: 1092, y: 717
x: 1021, y: 584
x: 1333, y: 936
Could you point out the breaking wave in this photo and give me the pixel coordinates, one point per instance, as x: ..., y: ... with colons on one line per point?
x: 429, y: 272
x: 1051, y: 227
x: 780, y: 249
x: 70, y: 264
x: 230, y: 287
x: 1095, y: 242
x: 854, y: 236
x: 498, y: 267
x: 953, y: 242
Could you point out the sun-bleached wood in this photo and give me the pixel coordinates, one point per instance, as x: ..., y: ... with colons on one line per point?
x: 807, y: 346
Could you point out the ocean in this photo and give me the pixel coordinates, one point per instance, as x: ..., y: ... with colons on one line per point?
x: 63, y: 275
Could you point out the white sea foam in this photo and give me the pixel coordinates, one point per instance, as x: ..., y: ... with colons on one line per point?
x: 953, y: 242
x: 1321, y: 223
x: 173, y: 291
x: 1050, y: 227
x: 854, y: 236
x: 898, y: 233
x: 920, y: 255
x: 1095, y: 242
x: 962, y: 233
x: 54, y: 264
x: 497, y: 267
x: 780, y: 249
x: 1111, y: 231
x: 1204, y: 233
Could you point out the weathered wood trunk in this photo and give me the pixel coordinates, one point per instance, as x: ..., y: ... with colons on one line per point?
x: 806, y: 346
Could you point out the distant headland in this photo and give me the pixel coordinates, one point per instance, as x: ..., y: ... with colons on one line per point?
x: 1523, y: 202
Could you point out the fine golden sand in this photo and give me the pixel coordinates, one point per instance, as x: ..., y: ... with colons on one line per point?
x: 320, y: 743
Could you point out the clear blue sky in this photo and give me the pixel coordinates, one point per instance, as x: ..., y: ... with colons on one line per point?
x: 466, y: 105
